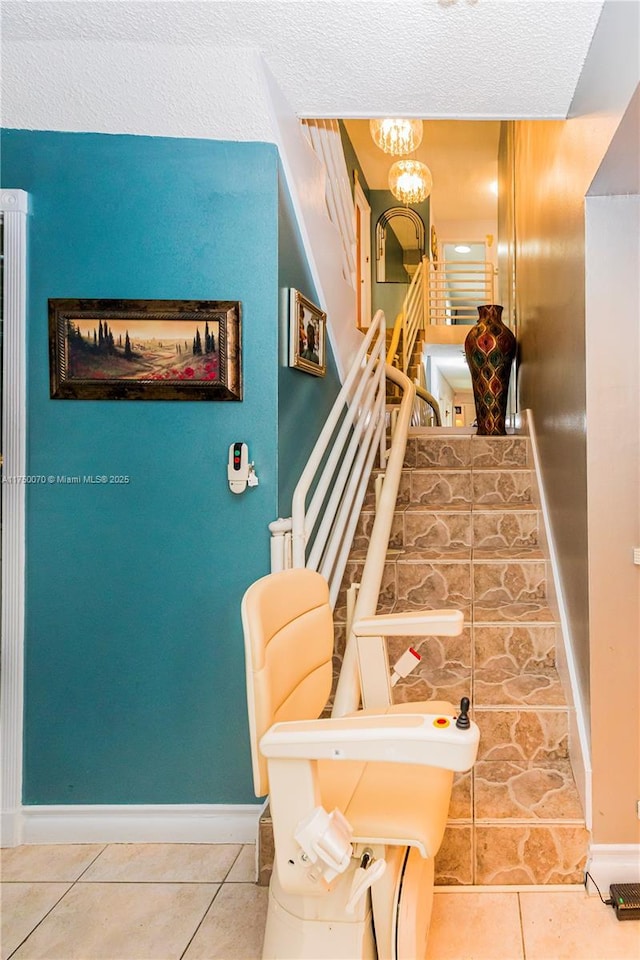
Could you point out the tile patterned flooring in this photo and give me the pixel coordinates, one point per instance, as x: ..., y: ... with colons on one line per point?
x: 199, y: 902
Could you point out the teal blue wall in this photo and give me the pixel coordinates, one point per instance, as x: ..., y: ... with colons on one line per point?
x: 304, y: 401
x: 134, y: 659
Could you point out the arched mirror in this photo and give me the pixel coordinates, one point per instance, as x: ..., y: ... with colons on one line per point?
x: 400, y: 245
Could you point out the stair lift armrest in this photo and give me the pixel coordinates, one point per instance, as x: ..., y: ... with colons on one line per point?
x: 429, y: 739
x: 370, y: 637
x: 293, y: 748
x: 411, y: 623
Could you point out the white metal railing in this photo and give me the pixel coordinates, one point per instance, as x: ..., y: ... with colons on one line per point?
x: 411, y: 319
x: 324, y: 136
x: 414, y: 316
x: 426, y: 409
x: 410, y: 322
x: 328, y: 497
x: 457, y: 288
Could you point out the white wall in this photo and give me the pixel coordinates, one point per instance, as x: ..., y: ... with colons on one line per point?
x: 443, y: 392
x: 613, y: 505
x: 153, y: 89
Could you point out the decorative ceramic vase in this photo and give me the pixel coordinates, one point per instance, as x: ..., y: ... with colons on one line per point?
x: 490, y: 348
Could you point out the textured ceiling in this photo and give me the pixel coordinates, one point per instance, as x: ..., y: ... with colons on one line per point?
x: 428, y: 58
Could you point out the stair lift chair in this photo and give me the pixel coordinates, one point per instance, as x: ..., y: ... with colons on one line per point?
x: 359, y: 803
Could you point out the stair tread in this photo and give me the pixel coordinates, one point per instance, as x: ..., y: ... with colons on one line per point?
x: 433, y: 554
x: 447, y: 553
x: 459, y: 507
x: 487, y: 554
x: 530, y: 612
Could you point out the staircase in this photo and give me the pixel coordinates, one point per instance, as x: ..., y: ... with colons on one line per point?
x: 466, y: 535
x: 423, y: 413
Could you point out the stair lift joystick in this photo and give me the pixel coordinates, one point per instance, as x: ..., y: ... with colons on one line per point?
x: 463, y: 722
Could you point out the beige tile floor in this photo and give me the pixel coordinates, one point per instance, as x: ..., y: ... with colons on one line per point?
x: 199, y: 902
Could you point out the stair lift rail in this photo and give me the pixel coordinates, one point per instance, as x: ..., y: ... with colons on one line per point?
x: 328, y: 497
x: 348, y: 692
x: 410, y: 322
x: 418, y: 419
x: 411, y: 319
x: 414, y: 316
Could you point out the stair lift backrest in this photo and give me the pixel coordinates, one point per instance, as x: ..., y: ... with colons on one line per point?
x: 288, y: 630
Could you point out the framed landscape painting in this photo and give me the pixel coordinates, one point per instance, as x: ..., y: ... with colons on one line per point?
x: 145, y: 349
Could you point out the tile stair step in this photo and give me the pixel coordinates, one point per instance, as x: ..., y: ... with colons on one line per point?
x: 468, y: 451
x: 444, y: 486
x: 509, y: 581
x: 508, y: 650
x: 508, y: 533
x: 488, y: 583
x: 507, y: 790
x: 416, y: 526
x: 522, y: 677
x: 515, y: 791
x: 523, y: 733
x: 512, y: 853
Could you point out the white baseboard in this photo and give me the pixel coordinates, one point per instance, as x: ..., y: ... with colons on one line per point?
x: 11, y: 828
x: 613, y: 863
x: 176, y: 823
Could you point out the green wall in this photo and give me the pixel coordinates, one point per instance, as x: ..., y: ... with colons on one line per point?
x: 390, y: 296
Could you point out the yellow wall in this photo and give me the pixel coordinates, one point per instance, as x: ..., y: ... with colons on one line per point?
x: 554, y: 164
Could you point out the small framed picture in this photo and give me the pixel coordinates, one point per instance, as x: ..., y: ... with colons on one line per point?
x: 307, y: 335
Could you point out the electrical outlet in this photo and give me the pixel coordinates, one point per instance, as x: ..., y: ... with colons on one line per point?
x: 636, y: 555
x: 638, y: 809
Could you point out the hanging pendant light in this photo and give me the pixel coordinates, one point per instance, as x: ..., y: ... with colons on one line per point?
x: 397, y: 137
x: 410, y: 181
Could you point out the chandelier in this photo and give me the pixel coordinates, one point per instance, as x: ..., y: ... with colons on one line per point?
x: 410, y: 181
x: 397, y: 137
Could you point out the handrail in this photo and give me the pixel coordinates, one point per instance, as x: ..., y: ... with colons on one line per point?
x: 348, y: 691
x: 395, y: 339
x: 319, y: 533
x: 409, y: 322
x: 413, y: 313
x: 423, y: 394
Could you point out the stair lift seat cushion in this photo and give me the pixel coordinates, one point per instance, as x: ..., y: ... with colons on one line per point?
x: 395, y: 803
x: 288, y: 628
